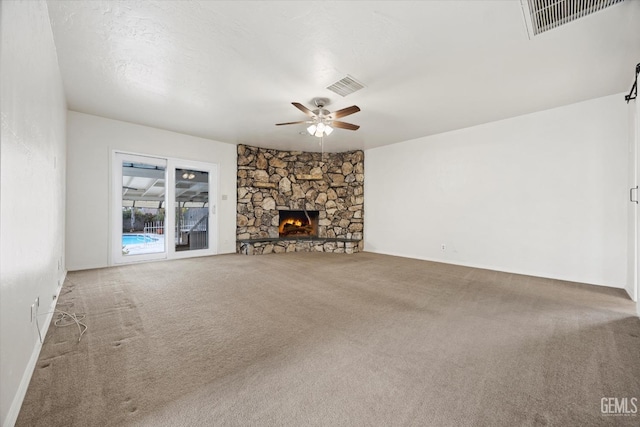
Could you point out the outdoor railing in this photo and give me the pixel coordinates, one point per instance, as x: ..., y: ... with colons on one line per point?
x: 188, y: 232
x: 193, y: 233
x: 151, y: 229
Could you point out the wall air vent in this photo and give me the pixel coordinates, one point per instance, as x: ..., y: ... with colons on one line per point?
x: 345, y: 86
x: 546, y: 15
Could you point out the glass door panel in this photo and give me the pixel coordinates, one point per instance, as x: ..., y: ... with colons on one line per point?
x: 140, y: 202
x: 191, y: 209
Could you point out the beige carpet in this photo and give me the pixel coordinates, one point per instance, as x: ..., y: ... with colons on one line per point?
x: 333, y: 340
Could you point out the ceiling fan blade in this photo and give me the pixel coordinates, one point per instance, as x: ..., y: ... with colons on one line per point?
x: 344, y: 112
x: 291, y: 123
x: 344, y: 125
x: 303, y: 109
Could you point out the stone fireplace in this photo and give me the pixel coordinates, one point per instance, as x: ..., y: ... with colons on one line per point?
x: 329, y: 187
x: 298, y: 223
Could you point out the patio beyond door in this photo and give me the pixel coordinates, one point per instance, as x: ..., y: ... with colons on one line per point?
x: 191, y: 209
x: 162, y: 208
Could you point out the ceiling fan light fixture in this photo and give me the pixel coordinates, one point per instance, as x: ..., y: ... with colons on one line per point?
x: 311, y: 129
x: 321, y: 119
x: 319, y: 130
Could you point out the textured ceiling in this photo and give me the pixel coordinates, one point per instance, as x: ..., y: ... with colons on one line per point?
x: 229, y: 71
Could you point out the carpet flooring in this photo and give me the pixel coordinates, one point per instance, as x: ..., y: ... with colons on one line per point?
x: 333, y: 340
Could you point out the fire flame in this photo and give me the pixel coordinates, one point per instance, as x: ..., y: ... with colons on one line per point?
x: 292, y: 221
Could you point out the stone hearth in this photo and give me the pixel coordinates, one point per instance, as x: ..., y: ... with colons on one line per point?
x: 270, y: 181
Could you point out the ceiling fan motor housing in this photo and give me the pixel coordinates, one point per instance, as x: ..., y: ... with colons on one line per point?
x: 321, y: 102
x: 321, y: 112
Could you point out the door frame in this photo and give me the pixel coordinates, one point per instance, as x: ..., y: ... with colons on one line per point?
x: 115, y: 223
x: 212, y: 225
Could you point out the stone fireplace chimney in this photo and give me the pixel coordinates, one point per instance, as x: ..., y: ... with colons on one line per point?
x: 273, y: 184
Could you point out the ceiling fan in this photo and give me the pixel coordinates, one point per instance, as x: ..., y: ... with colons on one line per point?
x: 322, y: 121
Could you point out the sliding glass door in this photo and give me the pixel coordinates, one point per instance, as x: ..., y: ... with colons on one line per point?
x: 162, y: 208
x: 140, y: 202
x: 191, y: 209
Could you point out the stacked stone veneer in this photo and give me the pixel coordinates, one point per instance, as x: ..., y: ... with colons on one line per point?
x: 272, y: 180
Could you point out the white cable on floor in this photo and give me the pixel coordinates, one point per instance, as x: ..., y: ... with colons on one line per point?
x: 38, y: 326
x: 65, y: 319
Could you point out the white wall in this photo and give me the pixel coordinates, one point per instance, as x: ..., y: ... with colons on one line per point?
x: 542, y: 194
x: 633, y: 282
x: 632, y: 208
x: 91, y: 141
x: 32, y: 192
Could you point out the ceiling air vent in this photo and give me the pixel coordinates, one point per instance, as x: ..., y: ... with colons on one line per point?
x: 345, y: 86
x: 548, y: 14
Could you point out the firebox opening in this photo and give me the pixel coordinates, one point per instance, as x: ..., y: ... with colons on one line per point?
x: 298, y: 224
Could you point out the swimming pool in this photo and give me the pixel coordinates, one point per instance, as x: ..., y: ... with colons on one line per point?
x: 137, y: 239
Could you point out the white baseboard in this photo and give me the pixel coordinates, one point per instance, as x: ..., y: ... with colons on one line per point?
x: 494, y: 268
x: 14, y: 409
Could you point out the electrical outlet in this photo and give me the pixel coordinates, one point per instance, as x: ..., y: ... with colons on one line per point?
x: 34, y: 309
x: 443, y: 247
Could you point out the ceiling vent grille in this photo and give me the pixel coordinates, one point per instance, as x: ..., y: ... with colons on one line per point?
x: 549, y: 14
x: 345, y: 86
